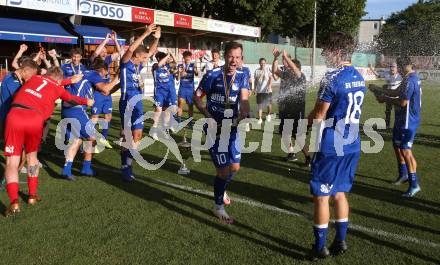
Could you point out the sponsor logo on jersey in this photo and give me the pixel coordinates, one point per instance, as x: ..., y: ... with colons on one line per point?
x: 217, y: 98
x: 326, y: 188
x: 9, y: 149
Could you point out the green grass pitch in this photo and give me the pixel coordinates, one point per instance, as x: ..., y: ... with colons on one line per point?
x: 104, y: 221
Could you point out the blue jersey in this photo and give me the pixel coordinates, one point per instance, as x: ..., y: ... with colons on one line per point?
x: 93, y: 78
x: 10, y: 84
x: 187, y: 81
x: 130, y: 80
x: 344, y: 89
x: 214, y: 86
x: 246, y: 71
x: 84, y: 88
x: 70, y: 70
x: 163, y: 78
x: 409, y: 117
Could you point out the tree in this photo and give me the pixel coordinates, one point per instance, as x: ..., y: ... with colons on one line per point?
x: 285, y: 17
x: 332, y: 15
x: 413, y: 31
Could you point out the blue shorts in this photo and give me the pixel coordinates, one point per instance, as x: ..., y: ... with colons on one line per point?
x: 403, y: 138
x: 136, y: 121
x: 165, y: 97
x: 103, y: 106
x: 233, y: 154
x: 332, y: 173
x: 81, y: 116
x: 186, y: 93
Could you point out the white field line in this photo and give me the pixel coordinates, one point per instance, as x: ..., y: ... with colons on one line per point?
x: 355, y: 227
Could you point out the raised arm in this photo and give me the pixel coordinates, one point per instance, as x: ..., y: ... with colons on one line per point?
x: 164, y: 60
x: 153, y: 45
x: 23, y: 49
x: 53, y: 54
x: 114, y: 38
x: 100, y: 48
x: 129, y: 53
x: 275, y: 70
x: 292, y: 66
x: 44, y: 59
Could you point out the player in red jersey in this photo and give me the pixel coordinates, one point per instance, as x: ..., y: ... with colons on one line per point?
x: 32, y: 105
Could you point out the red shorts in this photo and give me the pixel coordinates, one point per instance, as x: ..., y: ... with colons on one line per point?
x: 23, y: 128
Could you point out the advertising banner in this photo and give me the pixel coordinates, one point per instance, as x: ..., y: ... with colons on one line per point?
x: 163, y: 18
x: 200, y: 23
x: 104, y: 10
x: 60, y: 6
x: 182, y: 21
x: 143, y: 15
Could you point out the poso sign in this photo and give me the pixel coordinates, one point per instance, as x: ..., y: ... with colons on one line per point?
x: 60, y: 6
x: 104, y: 10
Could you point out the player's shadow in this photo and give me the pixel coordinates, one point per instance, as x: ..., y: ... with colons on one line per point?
x: 405, y: 250
x: 3, y: 189
x: 143, y: 190
x: 253, y: 191
x: 265, y: 162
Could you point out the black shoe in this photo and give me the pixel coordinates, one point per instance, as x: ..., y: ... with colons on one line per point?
x: 338, y: 247
x: 308, y: 162
x: 291, y: 157
x: 321, y: 254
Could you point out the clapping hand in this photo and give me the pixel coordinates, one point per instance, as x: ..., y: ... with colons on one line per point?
x: 276, y: 53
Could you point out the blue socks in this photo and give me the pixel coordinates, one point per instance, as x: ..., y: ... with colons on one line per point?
x: 341, y: 229
x: 219, y: 190
x: 67, y: 170
x: 126, y: 158
x: 403, y: 170
x: 412, y: 177
x: 87, y: 165
x: 230, y: 177
x: 320, y: 232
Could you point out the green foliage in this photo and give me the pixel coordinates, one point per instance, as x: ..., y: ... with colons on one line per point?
x: 413, y: 31
x: 285, y: 17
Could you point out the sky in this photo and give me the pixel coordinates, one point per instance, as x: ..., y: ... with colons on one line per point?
x: 379, y: 8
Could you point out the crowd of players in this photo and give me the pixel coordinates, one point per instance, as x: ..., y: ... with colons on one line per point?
x: 29, y: 93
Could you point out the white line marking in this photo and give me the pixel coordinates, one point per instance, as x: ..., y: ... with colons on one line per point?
x: 256, y: 204
x: 373, y: 231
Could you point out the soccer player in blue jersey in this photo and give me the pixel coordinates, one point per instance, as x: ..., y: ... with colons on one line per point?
x: 339, y: 103
x: 407, y: 121
x: 75, y: 67
x: 104, y: 104
x: 164, y: 91
x: 93, y: 80
x: 131, y: 65
x: 227, y: 92
x: 186, y: 73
